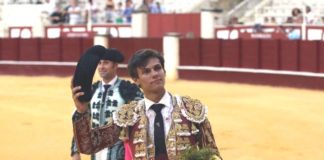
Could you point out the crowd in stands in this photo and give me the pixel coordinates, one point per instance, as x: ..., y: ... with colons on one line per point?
x: 296, y: 17
x: 118, y: 12
x: 294, y: 21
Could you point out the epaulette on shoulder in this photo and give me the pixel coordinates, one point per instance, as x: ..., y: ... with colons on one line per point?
x: 126, y: 115
x: 129, y: 91
x: 193, y: 109
x: 95, y: 84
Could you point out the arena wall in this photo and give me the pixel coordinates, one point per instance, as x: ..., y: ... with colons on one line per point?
x: 271, y: 62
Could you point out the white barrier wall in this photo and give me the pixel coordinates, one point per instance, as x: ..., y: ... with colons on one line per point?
x: 171, y: 53
x: 23, y: 15
x: 208, y: 20
x: 139, y: 24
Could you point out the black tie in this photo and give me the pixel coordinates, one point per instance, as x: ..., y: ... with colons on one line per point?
x: 159, y: 135
x: 105, y: 93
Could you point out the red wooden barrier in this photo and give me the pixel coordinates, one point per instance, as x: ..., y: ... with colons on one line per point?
x: 185, y: 24
x: 168, y: 24
x: 321, y: 56
x: 289, y: 55
x: 250, y: 57
x: 210, y: 52
x: 125, y: 45
x: 190, y: 52
x: 308, y: 56
x: 128, y: 46
x: 264, y: 54
x: 50, y: 49
x: 29, y: 49
x: 71, y: 49
x: 86, y: 43
x: 269, y: 54
x: 188, y: 24
x: 231, y: 53
x: 9, y: 49
x: 154, y: 25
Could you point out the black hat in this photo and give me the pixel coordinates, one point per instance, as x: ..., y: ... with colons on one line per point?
x: 86, y: 69
x: 113, y: 54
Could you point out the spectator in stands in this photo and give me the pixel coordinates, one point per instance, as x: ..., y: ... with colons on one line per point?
x: 266, y: 20
x: 233, y: 21
x: 110, y: 2
x: 269, y: 21
x: 48, y: 8
x: 160, y: 7
x: 38, y: 2
x: 128, y: 11
x: 156, y: 8
x: 92, y: 11
x: 144, y: 7
x: 273, y: 20
x: 293, y: 34
x: 309, y: 16
x: 289, y: 20
x: 74, y: 11
x: 57, y: 16
x: 257, y: 28
x: 297, y: 15
x: 66, y: 16
x: 119, y: 13
x: 152, y: 6
x: 110, y: 13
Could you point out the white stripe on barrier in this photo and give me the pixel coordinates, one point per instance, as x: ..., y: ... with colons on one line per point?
x: 39, y: 63
x: 200, y: 68
x: 246, y: 70
x: 45, y: 63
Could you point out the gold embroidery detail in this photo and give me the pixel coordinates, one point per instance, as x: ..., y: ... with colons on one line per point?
x: 183, y: 143
x: 126, y: 115
x: 176, y: 116
x: 124, y: 133
x: 194, y: 129
x: 193, y: 110
x: 142, y: 122
x: 139, y: 136
x: 142, y: 150
x: 172, y: 138
x: 183, y: 130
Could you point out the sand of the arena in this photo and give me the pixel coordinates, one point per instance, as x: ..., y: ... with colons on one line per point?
x: 249, y: 122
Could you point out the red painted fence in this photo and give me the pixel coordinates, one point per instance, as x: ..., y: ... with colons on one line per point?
x: 253, y: 53
x: 37, y: 49
x: 186, y: 24
x: 228, y: 59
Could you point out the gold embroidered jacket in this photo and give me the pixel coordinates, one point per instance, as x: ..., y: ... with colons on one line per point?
x: 190, y: 127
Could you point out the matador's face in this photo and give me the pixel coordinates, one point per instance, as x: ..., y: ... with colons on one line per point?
x: 151, y: 78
